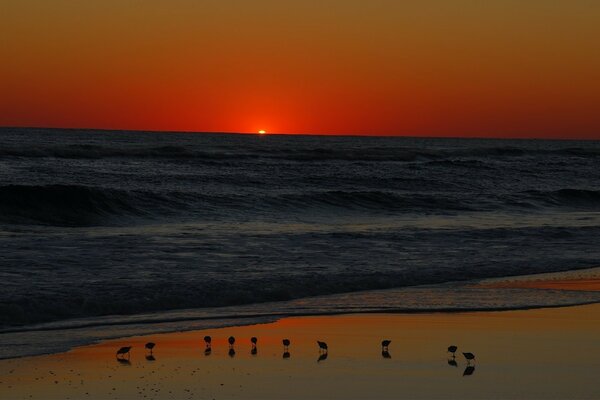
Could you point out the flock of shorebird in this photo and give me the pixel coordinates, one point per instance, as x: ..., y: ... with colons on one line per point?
x: 323, y: 349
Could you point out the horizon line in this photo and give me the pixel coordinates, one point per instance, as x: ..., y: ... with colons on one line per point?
x: 408, y: 136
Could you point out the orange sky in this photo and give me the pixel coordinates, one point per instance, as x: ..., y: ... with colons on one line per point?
x: 438, y: 68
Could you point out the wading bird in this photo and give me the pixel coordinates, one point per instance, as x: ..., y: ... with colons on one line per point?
x: 150, y: 346
x: 452, y: 349
x: 231, y: 341
x: 207, y: 340
x: 322, y: 346
x: 469, y: 357
x: 286, y: 344
x: 124, y: 350
x: 385, y: 344
x: 253, y: 339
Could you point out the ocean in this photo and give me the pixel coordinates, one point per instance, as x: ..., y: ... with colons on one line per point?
x: 146, y: 232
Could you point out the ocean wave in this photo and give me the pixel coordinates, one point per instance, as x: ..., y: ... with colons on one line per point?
x: 566, y: 198
x: 369, y: 200
x: 279, y: 151
x: 75, y: 205
x: 80, y: 205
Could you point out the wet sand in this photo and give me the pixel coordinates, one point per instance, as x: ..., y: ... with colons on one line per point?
x: 588, y: 280
x: 543, y: 353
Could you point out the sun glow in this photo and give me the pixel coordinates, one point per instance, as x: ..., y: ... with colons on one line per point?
x: 262, y: 132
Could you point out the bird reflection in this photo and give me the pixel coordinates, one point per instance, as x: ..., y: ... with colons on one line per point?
x: 231, y: 352
x: 150, y: 357
x: 469, y: 370
x: 253, y: 351
x: 323, y: 357
x: 385, y: 354
x: 452, y: 362
x: 286, y: 354
x: 124, y: 361
x: 207, y: 351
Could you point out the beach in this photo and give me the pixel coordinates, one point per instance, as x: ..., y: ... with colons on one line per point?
x: 119, y: 238
x: 541, y: 353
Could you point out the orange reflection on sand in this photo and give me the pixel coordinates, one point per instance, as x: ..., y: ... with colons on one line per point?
x: 558, y: 284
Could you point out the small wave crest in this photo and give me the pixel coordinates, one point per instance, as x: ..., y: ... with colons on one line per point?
x: 73, y: 205
x: 282, y: 152
x: 567, y: 198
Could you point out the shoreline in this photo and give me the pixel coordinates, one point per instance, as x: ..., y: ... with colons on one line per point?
x: 508, y: 344
x: 541, y: 291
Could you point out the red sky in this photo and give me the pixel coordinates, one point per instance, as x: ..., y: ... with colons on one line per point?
x: 435, y: 68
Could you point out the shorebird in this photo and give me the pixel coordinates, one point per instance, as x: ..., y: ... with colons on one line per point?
x: 385, y: 344
x: 469, y: 357
x: 452, y: 349
x: 286, y: 343
x: 150, y: 346
x: 322, y: 346
x: 207, y: 340
x: 231, y: 341
x: 253, y: 339
x: 124, y: 350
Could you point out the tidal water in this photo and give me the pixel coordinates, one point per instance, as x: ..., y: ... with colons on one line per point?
x: 110, y: 224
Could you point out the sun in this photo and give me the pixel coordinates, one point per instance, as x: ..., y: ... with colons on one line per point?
x: 262, y: 132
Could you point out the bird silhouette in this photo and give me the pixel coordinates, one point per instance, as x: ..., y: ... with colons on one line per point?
x: 385, y: 344
x: 207, y: 340
x: 231, y: 341
x: 469, y: 370
x: 322, y: 346
x: 452, y: 349
x: 254, y: 340
x: 150, y: 346
x: 286, y: 344
x: 124, y: 350
x: 469, y: 357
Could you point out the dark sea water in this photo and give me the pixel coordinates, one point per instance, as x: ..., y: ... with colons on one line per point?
x: 97, y: 224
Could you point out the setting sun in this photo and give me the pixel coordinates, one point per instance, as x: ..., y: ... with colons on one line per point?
x: 261, y: 132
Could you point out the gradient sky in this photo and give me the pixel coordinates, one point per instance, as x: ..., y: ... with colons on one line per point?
x: 389, y: 67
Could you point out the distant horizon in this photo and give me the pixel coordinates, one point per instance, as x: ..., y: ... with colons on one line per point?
x: 408, y: 136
